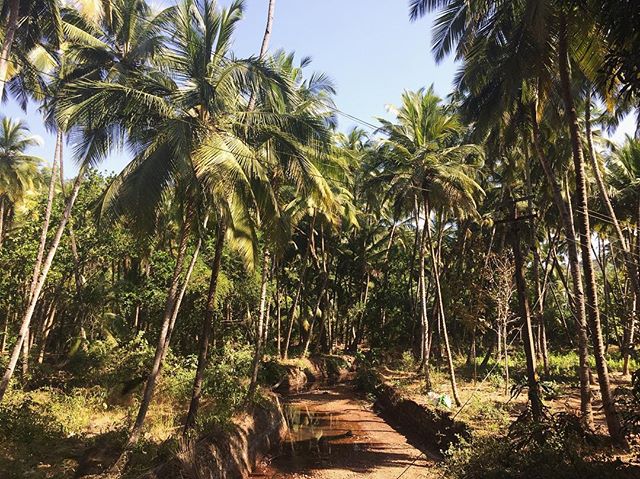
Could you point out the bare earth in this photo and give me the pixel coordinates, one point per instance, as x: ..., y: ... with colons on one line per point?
x: 334, y: 435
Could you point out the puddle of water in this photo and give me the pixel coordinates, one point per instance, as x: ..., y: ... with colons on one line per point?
x: 315, y: 431
x: 315, y: 439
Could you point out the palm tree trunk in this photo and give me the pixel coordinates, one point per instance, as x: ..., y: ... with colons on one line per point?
x: 9, y: 37
x: 419, y: 311
x: 207, y: 328
x: 525, y: 315
x: 323, y: 290
x: 296, y: 298
x: 266, y: 39
x: 385, y: 278
x: 72, y: 236
x: 2, y: 213
x: 578, y: 291
x: 425, y: 351
x: 37, y: 288
x: 5, y: 331
x: 613, y: 422
x: 47, y: 213
x: 626, y: 250
x: 25, y: 354
x: 46, y: 330
x: 267, y: 257
x: 183, y: 290
x: 266, y: 265
x: 540, y: 339
x: 172, y: 296
x: 436, y: 276
x: 278, y: 320
x: 628, y: 350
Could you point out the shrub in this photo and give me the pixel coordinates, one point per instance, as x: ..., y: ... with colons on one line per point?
x: 554, y: 447
x: 47, y: 414
x: 223, y: 385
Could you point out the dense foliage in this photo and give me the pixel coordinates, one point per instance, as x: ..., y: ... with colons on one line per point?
x: 497, y: 223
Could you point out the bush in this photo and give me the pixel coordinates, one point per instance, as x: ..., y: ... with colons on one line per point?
x: 223, y: 387
x: 47, y: 414
x: 108, y: 363
x: 176, y: 381
x: 555, y: 447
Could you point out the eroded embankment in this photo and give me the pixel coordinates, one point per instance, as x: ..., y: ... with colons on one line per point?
x: 326, y: 431
x: 230, y: 452
x: 234, y: 450
x: 301, y: 374
x: 432, y: 428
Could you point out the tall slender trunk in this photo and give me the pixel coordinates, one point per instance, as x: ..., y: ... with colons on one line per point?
x: 267, y: 256
x: 266, y: 265
x: 9, y: 37
x: 183, y: 290
x: 25, y: 354
x: 5, y: 331
x: 207, y: 328
x: 33, y: 300
x: 540, y: 337
x: 418, y: 249
x: 2, y: 214
x: 385, y: 278
x: 77, y: 274
x: 525, y: 316
x: 629, y: 262
x: 574, y: 266
x: 613, y: 421
x: 296, y: 298
x: 172, y: 295
x: 425, y: 351
x: 266, y: 39
x: 278, y: 320
x: 629, y: 346
x: 436, y: 276
x: 47, y: 213
x: 321, y: 296
x: 360, y: 326
x: 505, y: 347
x: 45, y: 332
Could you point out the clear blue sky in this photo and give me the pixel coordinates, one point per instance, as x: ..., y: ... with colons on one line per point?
x: 368, y: 47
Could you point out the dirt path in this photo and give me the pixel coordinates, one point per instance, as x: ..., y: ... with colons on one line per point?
x: 334, y: 435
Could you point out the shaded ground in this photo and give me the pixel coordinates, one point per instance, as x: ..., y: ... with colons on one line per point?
x: 335, y: 435
x: 489, y: 408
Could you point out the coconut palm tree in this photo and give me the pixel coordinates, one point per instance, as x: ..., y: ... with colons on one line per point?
x: 108, y: 52
x: 434, y: 169
x: 535, y: 28
x: 19, y: 171
x: 26, y: 24
x: 188, y: 123
x: 293, y: 161
x: 624, y: 179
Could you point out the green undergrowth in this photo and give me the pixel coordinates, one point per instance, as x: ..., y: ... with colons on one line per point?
x: 557, y: 446
x: 50, y: 423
